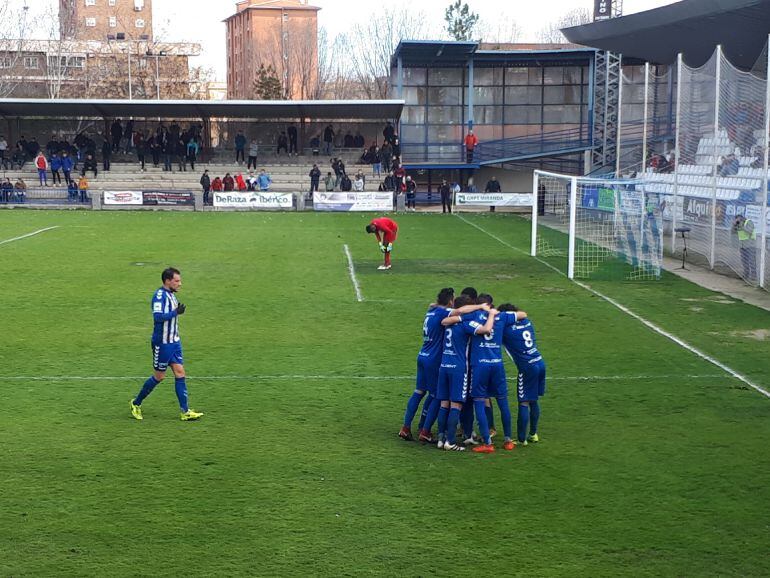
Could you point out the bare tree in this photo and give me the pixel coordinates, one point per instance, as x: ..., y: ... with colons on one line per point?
x: 303, y: 62
x: 551, y: 33
x: 502, y: 29
x: 14, y: 32
x: 372, y: 44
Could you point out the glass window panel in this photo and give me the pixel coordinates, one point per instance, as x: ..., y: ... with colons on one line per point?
x: 488, y: 114
x: 446, y: 76
x: 517, y: 76
x: 523, y: 95
x: 488, y: 76
x: 442, y: 133
x: 561, y: 114
x: 487, y: 95
x: 561, y: 95
x: 572, y: 75
x: 445, y: 95
x: 413, y: 76
x: 414, y: 95
x: 554, y: 75
x: 535, y: 75
x: 444, y: 114
x: 413, y: 114
x: 522, y: 114
x: 412, y: 134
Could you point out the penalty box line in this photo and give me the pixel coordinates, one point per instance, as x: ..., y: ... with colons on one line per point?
x: 629, y: 312
x: 352, y: 272
x: 32, y: 234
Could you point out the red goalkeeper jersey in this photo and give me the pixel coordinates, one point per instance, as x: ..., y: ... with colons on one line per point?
x: 388, y: 228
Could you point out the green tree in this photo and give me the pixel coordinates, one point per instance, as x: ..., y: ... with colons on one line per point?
x: 267, y: 86
x: 460, y: 21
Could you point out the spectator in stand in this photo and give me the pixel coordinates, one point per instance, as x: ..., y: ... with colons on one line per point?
x: 346, y: 184
x: 359, y: 183
x: 493, y: 186
x: 263, y: 180
x: 376, y: 162
x: 192, y: 152
x: 155, y: 146
x: 328, y: 139
x: 22, y: 145
x: 349, y: 141
x: 759, y: 158
x: 83, y: 188
x: 67, y: 165
x: 106, y: 155
x: 19, y: 158
x: 292, y: 132
x: 55, y: 163
x: 20, y: 190
x: 128, y: 134
x: 32, y: 148
x: 206, y: 185
x: 181, y: 155
x: 116, y: 132
x: 216, y: 185
x: 72, y: 191
x: 139, y: 144
x: 283, y: 143
x: 251, y: 181
x: 386, y: 155
x: 471, y: 188
x: 400, y: 174
x: 240, y: 147
x: 668, y: 165
x: 396, y: 151
x: 339, y: 170
x: 471, y: 141
x: 6, y: 190
x: 315, y: 145
x: 168, y: 150
x: 359, y: 141
x: 730, y: 166
x: 390, y: 183
x: 42, y: 168
x: 228, y: 183
x: 446, y: 197
x: 240, y: 183
x: 315, y: 179
x: 253, y: 152
x: 389, y: 132
x: 89, y: 165
x: 411, y: 193
x: 3, y: 152
x: 329, y: 182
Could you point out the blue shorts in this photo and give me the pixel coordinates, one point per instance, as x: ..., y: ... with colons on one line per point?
x: 427, y: 375
x: 165, y: 354
x: 489, y: 381
x: 531, y: 382
x: 452, y: 384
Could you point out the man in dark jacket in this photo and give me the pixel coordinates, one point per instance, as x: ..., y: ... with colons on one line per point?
x: 493, y: 186
x: 292, y: 132
x: 116, y: 131
x: 328, y: 139
x: 206, y: 184
x: 106, y: 155
x: 315, y: 178
x: 446, y: 197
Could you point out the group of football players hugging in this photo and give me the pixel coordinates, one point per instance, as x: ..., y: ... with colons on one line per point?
x: 460, y: 371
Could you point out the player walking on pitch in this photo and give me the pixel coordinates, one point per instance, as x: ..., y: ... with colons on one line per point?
x: 166, y: 346
x: 386, y: 231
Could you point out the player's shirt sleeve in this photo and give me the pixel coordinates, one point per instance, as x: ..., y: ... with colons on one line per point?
x: 159, y: 300
x: 508, y: 318
x: 470, y: 323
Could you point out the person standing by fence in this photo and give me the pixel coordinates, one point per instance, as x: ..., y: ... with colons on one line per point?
x: 747, y: 241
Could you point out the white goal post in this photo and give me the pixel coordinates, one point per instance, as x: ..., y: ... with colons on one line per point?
x: 595, y: 228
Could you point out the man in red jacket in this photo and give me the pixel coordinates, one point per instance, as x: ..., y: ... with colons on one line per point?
x: 470, y: 144
x: 386, y: 231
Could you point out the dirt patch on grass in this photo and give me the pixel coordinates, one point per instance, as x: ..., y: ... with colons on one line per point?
x: 755, y: 334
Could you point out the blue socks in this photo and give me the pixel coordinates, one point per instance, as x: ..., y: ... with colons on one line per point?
x: 181, y: 393
x: 534, y: 416
x: 443, y: 414
x: 411, y: 408
x: 481, y: 416
x: 522, y: 422
x: 147, y: 388
x: 425, y: 407
x: 466, y: 418
x: 430, y: 419
x: 505, y: 416
x: 490, y: 416
x: 451, y: 425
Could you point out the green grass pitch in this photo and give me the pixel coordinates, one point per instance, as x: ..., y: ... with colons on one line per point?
x: 653, y: 461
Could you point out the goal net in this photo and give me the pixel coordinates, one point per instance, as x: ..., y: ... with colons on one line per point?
x: 591, y: 228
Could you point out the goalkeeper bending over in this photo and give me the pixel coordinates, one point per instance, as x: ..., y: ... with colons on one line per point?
x: 386, y: 231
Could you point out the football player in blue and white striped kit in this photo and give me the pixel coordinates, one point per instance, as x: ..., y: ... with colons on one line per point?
x: 166, y: 346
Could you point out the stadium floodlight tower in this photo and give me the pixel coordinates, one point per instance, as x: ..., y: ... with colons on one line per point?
x: 607, y: 87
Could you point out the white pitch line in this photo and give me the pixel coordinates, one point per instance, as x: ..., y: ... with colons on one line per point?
x: 338, y: 377
x: 627, y: 311
x: 352, y: 271
x: 32, y: 234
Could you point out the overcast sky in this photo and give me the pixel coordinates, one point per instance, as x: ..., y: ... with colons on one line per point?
x: 201, y: 20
